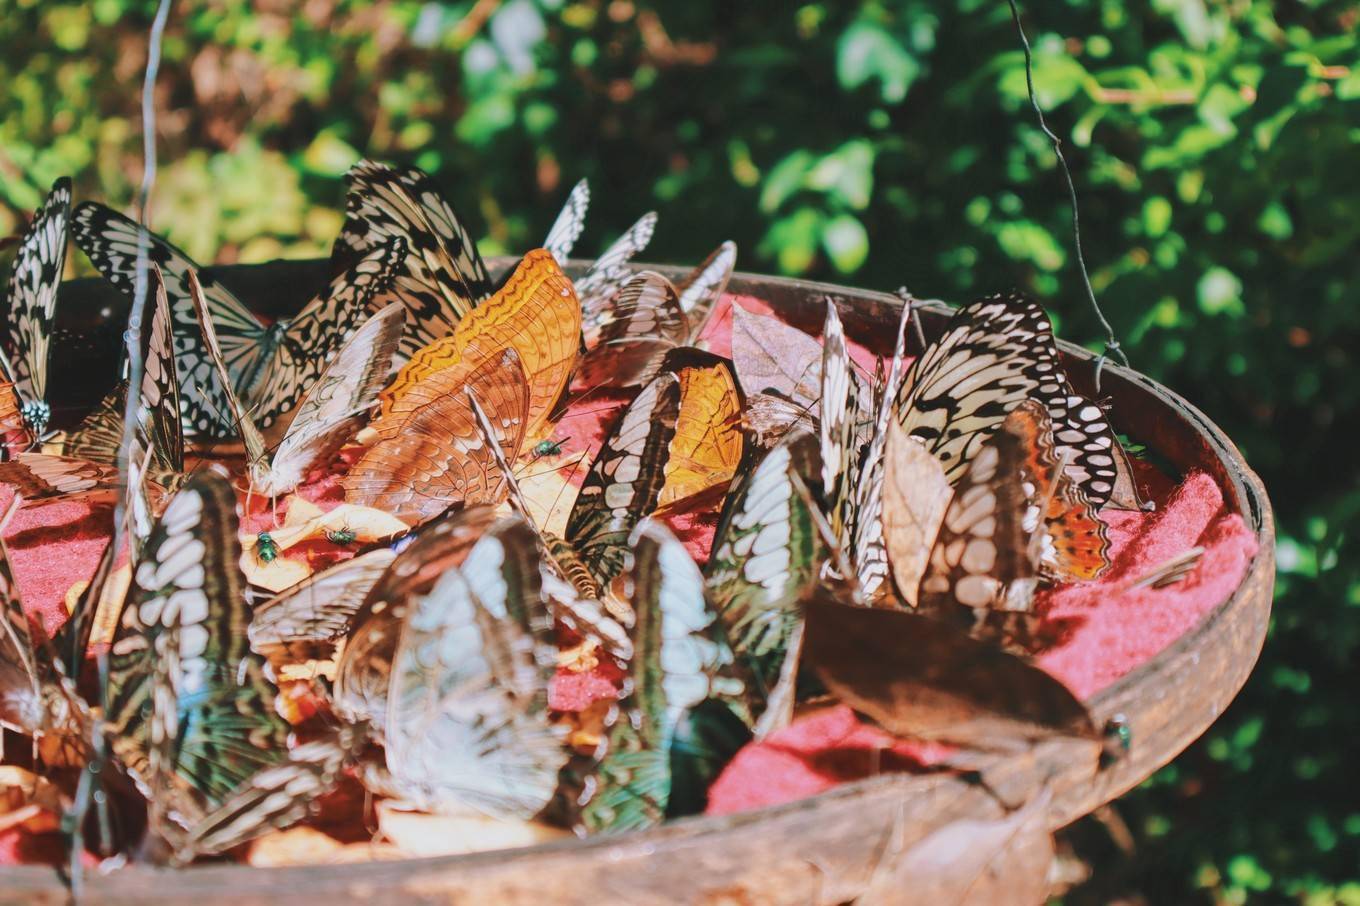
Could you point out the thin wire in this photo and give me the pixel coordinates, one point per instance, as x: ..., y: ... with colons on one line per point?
x: 1112, y: 348
x: 133, y: 340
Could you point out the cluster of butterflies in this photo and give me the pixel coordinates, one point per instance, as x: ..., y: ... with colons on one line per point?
x: 947, y: 490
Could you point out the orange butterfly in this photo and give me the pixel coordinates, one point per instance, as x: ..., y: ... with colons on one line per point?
x: 14, y: 434
x: 536, y: 313
x: 438, y: 458
x: 707, y: 446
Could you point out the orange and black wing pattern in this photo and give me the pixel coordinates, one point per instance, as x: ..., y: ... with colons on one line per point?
x: 536, y: 314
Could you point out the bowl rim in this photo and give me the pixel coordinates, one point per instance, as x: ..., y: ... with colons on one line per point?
x: 1155, y: 699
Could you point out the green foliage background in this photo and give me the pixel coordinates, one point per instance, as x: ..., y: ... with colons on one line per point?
x: 1216, y: 145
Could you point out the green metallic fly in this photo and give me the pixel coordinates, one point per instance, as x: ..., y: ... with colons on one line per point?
x: 547, y: 448
x: 265, y: 547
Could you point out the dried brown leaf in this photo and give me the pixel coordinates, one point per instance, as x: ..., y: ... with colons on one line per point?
x: 915, y: 497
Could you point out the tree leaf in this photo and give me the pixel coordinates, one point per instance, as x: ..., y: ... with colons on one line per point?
x: 915, y: 497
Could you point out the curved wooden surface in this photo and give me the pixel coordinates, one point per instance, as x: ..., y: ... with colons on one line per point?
x: 825, y: 849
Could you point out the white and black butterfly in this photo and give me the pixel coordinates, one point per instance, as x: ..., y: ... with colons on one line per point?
x: 269, y: 365
x: 444, y: 276
x: 31, y: 307
x: 570, y: 222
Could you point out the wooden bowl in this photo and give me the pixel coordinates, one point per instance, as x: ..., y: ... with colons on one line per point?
x: 821, y: 849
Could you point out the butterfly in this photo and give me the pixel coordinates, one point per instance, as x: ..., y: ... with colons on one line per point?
x: 365, y: 665
x: 190, y: 707
x: 467, y: 720
x: 444, y: 277
x: 649, y: 317
x: 329, y: 411
x: 439, y: 459
x: 39, y: 477
x: 609, y: 272
x: 679, y: 437
x: 305, y: 622
x: 767, y: 553
x: 1001, y: 532
x: 31, y: 308
x: 268, y: 366
x: 570, y: 222
x: 670, y: 672
x: 995, y: 353
x: 536, y: 313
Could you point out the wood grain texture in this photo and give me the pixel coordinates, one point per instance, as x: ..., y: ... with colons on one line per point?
x: 827, y: 848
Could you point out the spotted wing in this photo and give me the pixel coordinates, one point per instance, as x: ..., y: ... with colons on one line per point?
x: 195, y: 734
x: 625, y: 480
x: 32, y: 302
x: 444, y: 277
x: 700, y: 291
x: 767, y: 553
x: 673, y: 662
x: 566, y: 229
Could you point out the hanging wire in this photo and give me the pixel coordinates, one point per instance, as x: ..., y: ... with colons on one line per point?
x: 1112, y: 348
x: 132, y: 337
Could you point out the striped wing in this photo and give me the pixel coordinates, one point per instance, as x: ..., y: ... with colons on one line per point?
x: 215, y: 708
x: 646, y: 323
x: 598, y: 287
x: 305, y: 622
x: 275, y: 796
x: 312, y: 338
x: 40, y: 476
x: 991, y: 357
x: 468, y: 722
x: 767, y: 553
x: 32, y: 300
x: 336, y: 402
x: 625, y: 480
x: 566, y: 229
x: 444, y: 277
x: 438, y: 459
x: 837, y: 425
x: 673, y: 662
x: 110, y: 241
x: 700, y: 291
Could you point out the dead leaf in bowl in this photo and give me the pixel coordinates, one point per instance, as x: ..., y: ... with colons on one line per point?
x: 924, y: 679
x: 28, y: 801
x: 970, y: 862
x: 294, y: 846
x: 421, y: 834
x: 277, y: 575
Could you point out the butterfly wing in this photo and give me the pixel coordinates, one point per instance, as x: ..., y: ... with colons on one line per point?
x: 566, y: 229
x: 276, y: 796
x: 312, y: 338
x: 336, y: 402
x: 304, y: 622
x: 444, y: 277
x: 40, y: 476
x: 438, y: 459
x: 625, y: 480
x: 708, y: 442
x: 670, y: 673
x: 100, y: 433
x: 109, y: 240
x: 598, y: 287
x: 646, y: 322
x: 468, y: 721
x: 188, y: 593
x: 536, y: 313
x: 701, y: 289
x: 362, y: 674
x: 767, y: 553
x: 15, y: 436
x: 32, y: 303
